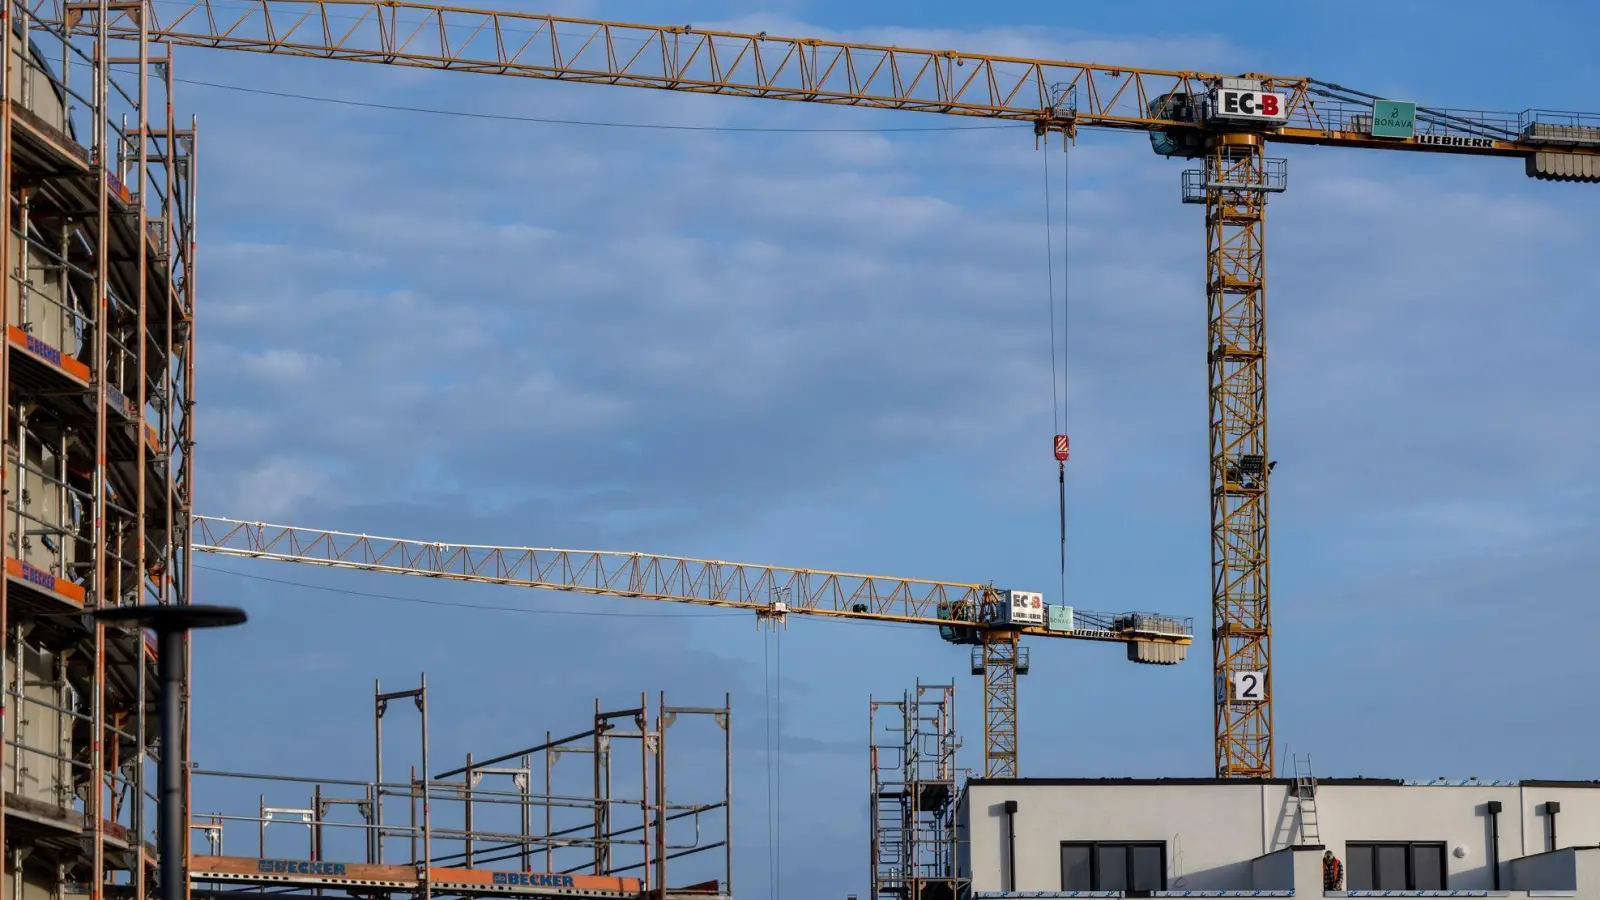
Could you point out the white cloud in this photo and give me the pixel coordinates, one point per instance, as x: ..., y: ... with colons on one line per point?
x: 272, y: 489
x: 1190, y: 53
x: 284, y: 368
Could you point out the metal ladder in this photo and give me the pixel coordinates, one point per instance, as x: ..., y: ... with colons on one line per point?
x: 1305, y: 801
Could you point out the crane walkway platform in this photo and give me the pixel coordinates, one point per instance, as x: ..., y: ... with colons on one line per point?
x: 370, y: 879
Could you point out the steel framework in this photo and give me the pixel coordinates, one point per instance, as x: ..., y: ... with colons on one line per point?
x: 963, y: 613
x: 913, y: 790
x: 1050, y: 94
x: 651, y: 576
x: 1234, y: 185
x: 98, y: 198
x: 1002, y: 663
x: 603, y: 825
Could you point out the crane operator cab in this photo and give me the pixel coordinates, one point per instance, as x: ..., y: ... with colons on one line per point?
x: 1183, y: 142
x: 1251, y: 104
x: 1004, y: 608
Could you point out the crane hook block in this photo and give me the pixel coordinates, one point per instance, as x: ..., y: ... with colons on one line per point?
x: 1063, y: 448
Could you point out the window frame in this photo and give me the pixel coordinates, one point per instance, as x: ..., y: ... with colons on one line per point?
x: 1094, y: 861
x: 1371, y: 847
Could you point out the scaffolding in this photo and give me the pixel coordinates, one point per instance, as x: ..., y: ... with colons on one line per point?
x: 99, y: 248
x: 914, y: 781
x: 600, y: 825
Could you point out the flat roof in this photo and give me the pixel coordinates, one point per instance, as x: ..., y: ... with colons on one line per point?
x: 1338, y: 782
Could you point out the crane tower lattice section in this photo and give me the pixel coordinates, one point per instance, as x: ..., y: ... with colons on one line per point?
x: 1234, y: 185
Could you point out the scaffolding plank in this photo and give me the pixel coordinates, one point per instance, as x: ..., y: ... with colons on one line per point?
x: 476, y: 882
x: 36, y: 581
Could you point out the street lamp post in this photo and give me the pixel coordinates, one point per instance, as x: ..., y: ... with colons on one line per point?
x: 171, y: 623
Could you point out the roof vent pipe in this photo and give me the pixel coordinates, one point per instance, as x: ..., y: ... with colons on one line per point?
x: 1493, y: 808
x: 1011, y: 845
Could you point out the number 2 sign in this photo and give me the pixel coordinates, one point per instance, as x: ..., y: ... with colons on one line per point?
x: 1250, y: 687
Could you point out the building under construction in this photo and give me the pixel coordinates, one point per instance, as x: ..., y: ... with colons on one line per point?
x: 98, y: 193
x: 594, y: 813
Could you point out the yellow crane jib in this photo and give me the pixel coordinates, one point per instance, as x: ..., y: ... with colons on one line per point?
x: 991, y: 620
x: 1176, y: 107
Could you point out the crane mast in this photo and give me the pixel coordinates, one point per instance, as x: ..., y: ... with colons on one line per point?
x: 1238, y: 179
x: 1225, y: 122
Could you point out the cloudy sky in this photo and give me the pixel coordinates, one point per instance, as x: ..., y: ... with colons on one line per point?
x: 831, y: 349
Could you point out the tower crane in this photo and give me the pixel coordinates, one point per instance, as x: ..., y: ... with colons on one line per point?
x: 1224, y: 123
x: 990, y: 620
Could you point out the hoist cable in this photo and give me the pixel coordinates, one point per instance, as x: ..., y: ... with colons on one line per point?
x: 1061, y: 481
x: 1050, y: 263
x: 1057, y: 382
x: 766, y: 688
x: 1066, y: 285
x: 777, y: 765
x: 1066, y: 337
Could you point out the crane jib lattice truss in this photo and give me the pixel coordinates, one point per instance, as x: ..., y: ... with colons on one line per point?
x: 964, y: 613
x: 1052, y: 93
x: 1224, y: 122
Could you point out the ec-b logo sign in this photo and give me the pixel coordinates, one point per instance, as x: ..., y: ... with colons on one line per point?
x: 1260, y: 105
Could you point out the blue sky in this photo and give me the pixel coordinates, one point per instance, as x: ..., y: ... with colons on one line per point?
x: 830, y: 350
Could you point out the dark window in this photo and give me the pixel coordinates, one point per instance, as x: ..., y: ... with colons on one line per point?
x: 1114, y: 866
x: 1427, y: 867
x: 1395, y: 866
x: 1077, y: 871
x: 1391, y: 868
x: 1358, y: 868
x: 1148, y: 867
x: 1110, y: 867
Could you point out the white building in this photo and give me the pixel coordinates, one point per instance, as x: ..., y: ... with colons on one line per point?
x: 1054, y: 837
